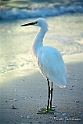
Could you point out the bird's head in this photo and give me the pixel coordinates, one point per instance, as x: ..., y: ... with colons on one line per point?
x: 41, y: 22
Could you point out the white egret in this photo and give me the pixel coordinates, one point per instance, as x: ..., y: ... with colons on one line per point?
x: 49, y: 60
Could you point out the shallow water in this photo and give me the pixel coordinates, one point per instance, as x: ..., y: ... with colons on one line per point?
x: 16, y: 59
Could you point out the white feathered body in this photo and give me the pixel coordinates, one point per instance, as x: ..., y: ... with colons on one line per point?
x: 51, y: 65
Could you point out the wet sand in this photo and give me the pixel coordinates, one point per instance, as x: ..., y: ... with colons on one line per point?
x: 23, y: 96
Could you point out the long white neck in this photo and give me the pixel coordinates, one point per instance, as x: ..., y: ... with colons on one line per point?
x: 38, y: 43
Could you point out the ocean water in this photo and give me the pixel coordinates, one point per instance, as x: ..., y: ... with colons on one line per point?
x: 20, y: 9
x: 65, y: 19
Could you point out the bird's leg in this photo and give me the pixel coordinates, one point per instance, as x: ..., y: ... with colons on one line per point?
x: 51, y: 95
x: 48, y: 95
x: 49, y: 108
x: 46, y: 110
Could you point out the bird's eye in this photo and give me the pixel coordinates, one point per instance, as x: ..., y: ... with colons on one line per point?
x: 36, y: 22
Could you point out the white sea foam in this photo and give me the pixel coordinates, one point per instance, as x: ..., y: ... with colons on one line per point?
x: 7, y: 13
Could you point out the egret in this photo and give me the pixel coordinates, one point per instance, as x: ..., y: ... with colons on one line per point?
x: 49, y: 61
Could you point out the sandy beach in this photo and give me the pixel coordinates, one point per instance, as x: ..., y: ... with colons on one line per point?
x: 23, y: 96
x: 23, y: 90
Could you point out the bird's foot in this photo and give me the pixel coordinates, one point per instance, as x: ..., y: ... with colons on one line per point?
x: 46, y: 111
x: 51, y: 110
x: 42, y: 111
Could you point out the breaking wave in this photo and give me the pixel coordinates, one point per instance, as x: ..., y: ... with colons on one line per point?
x: 55, y: 9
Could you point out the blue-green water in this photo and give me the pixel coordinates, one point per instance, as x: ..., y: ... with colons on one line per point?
x: 16, y: 59
x: 65, y: 19
x: 12, y: 10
